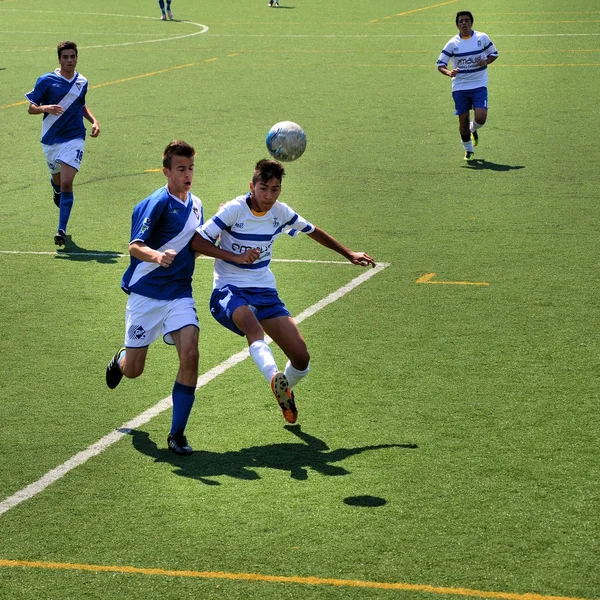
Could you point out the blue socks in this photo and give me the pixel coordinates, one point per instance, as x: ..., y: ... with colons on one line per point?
x: 66, y: 204
x: 54, y: 186
x: 183, y: 400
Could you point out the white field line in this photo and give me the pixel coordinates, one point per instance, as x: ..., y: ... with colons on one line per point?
x: 114, y: 436
x: 203, y: 28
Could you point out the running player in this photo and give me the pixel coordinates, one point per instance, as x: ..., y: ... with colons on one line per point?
x: 60, y: 97
x: 470, y: 52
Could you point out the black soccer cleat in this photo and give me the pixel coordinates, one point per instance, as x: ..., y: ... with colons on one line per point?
x: 469, y: 156
x: 475, y: 138
x: 178, y: 443
x: 113, y: 370
x: 60, y: 238
x: 56, y: 197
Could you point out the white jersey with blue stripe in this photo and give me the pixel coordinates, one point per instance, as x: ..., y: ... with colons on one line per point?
x: 466, y: 54
x: 53, y: 88
x: 164, y: 222
x: 238, y: 228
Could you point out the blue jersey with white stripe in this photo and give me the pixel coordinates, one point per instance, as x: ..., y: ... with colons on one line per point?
x: 163, y: 222
x: 238, y: 228
x: 465, y: 53
x: 53, y: 88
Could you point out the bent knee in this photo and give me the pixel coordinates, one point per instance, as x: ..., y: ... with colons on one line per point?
x: 301, y: 361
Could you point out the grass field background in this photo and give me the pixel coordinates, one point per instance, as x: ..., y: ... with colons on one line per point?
x: 469, y: 412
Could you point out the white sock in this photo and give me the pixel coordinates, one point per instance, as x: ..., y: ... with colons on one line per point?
x: 263, y: 357
x: 474, y: 126
x: 468, y: 146
x: 293, y: 375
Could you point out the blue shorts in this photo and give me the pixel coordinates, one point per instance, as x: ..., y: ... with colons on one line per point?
x: 264, y: 302
x: 465, y: 100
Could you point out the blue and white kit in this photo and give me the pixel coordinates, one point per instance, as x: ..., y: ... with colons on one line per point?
x: 465, y: 55
x: 164, y: 222
x: 238, y: 228
x: 53, y: 88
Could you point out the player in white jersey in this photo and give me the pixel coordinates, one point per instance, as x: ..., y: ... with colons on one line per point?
x: 245, y: 298
x: 470, y: 52
x: 60, y: 97
x: 159, y: 284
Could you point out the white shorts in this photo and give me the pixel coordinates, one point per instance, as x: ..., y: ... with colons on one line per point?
x: 148, y: 318
x: 69, y: 153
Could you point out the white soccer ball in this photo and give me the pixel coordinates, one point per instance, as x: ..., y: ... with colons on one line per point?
x: 286, y: 141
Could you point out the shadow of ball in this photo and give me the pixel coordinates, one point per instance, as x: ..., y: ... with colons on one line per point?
x: 364, y: 501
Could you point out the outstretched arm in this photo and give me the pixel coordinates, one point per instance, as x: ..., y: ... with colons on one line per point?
x: 356, y: 258
x: 203, y: 246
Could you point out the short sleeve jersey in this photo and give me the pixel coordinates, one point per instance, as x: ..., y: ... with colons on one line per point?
x: 465, y: 54
x: 164, y: 222
x: 53, y: 88
x: 238, y: 228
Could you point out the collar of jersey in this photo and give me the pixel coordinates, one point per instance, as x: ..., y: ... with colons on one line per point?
x: 256, y: 213
x: 184, y: 202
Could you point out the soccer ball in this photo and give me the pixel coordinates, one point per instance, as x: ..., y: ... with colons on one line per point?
x: 286, y: 141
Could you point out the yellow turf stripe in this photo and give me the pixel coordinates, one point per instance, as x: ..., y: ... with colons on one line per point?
x: 429, y: 276
x: 257, y: 577
x: 408, y: 12
x: 99, y: 85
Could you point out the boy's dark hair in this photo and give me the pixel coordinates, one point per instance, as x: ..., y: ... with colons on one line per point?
x: 266, y: 169
x: 177, y: 148
x: 464, y: 13
x: 66, y: 46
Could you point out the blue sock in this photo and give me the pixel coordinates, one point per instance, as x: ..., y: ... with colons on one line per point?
x: 66, y: 204
x: 183, y: 400
x: 161, y: 3
x: 56, y: 187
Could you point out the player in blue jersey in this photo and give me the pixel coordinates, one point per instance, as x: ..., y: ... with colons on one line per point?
x: 60, y: 97
x: 244, y: 298
x: 470, y: 52
x: 159, y: 284
x: 168, y: 13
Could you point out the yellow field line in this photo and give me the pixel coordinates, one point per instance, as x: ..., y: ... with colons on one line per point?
x: 258, y: 577
x: 429, y: 276
x: 408, y: 12
x: 132, y: 78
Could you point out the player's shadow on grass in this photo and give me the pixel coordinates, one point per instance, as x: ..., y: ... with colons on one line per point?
x: 480, y: 164
x: 71, y: 251
x: 297, y: 458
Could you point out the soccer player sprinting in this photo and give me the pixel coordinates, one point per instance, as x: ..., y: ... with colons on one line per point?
x: 60, y: 97
x: 244, y: 298
x: 159, y: 284
x: 470, y: 52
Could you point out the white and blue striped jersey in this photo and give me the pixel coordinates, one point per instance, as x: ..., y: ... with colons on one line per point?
x: 164, y: 222
x: 53, y: 88
x: 465, y: 54
x: 238, y: 228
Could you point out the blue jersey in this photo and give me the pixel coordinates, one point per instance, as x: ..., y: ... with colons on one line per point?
x: 164, y: 222
x: 53, y: 88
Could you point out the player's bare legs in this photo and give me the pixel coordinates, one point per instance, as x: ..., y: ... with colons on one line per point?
x: 132, y: 364
x: 287, y: 336
x: 186, y: 342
